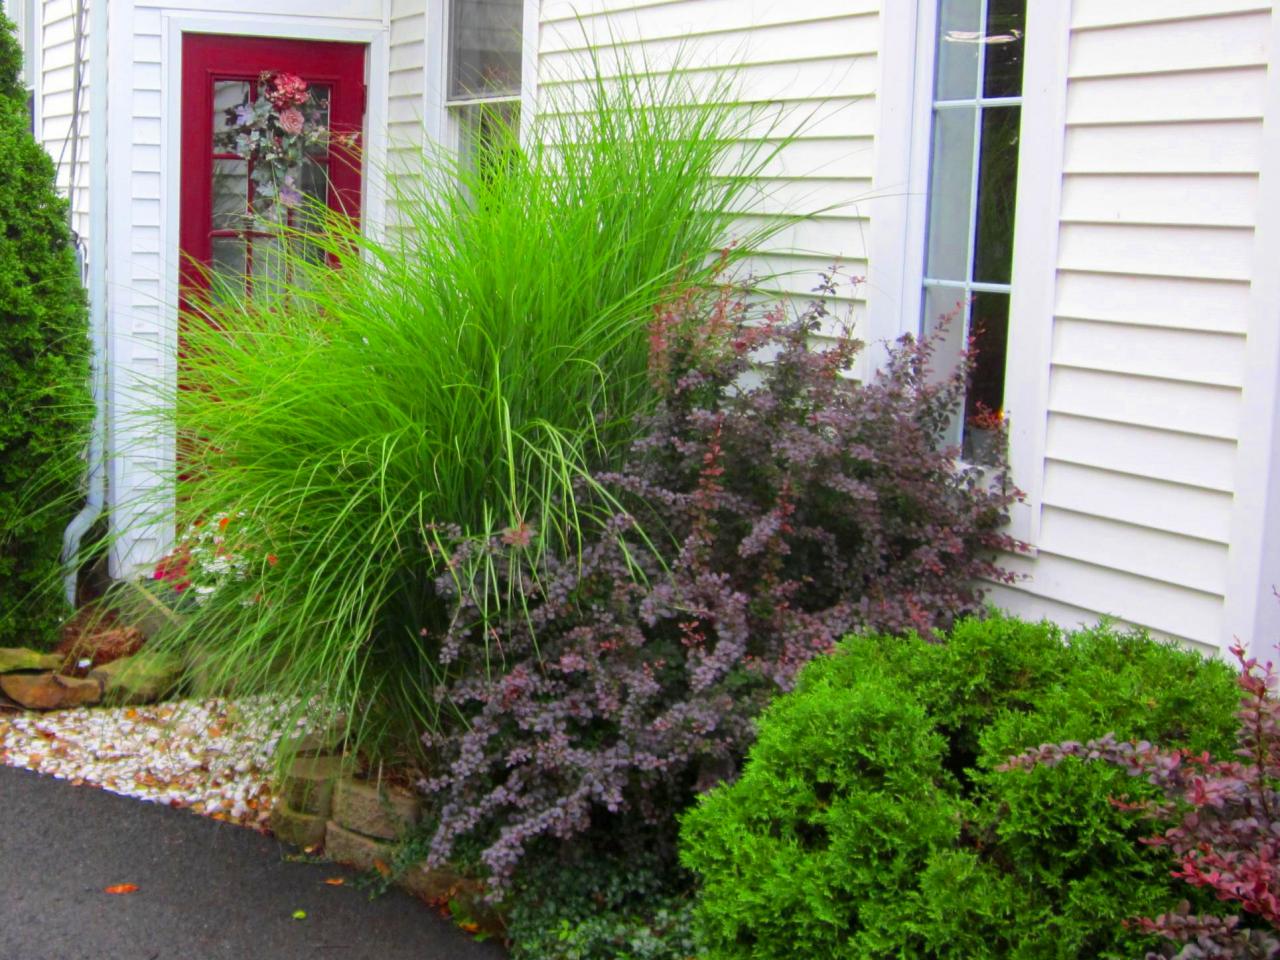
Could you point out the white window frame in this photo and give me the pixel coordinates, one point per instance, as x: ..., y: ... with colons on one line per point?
x: 899, y: 211
x: 26, y: 16
x: 442, y: 114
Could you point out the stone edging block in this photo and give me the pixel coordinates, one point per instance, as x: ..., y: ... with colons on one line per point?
x: 300, y: 829
x: 308, y: 786
x: 356, y: 850
x: 384, y: 813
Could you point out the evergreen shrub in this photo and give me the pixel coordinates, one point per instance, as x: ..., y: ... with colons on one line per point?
x: 875, y: 816
x: 44, y: 402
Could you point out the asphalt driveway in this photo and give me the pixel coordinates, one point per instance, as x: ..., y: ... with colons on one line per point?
x: 206, y: 890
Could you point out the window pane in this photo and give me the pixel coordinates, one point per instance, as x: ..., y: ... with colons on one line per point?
x: 484, y: 47
x: 950, y: 187
x: 1006, y: 21
x: 988, y: 339
x: 943, y: 305
x: 487, y: 131
x: 959, y: 34
x: 997, y: 192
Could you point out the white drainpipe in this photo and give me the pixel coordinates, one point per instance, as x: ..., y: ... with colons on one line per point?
x: 96, y: 496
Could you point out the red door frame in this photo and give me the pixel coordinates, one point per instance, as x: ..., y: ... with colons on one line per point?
x: 210, y: 57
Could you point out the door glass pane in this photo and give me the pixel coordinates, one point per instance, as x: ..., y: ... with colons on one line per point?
x: 317, y: 114
x: 1005, y: 38
x: 267, y: 268
x: 227, y: 95
x: 997, y: 193
x: 230, y: 195
x: 959, y: 33
x: 951, y: 183
x: 484, y: 47
x: 227, y: 274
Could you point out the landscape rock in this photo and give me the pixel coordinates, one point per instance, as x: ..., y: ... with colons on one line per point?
x: 308, y: 786
x: 355, y: 850
x: 384, y: 812
x: 142, y: 678
x: 299, y: 829
x: 20, y: 658
x: 49, y: 691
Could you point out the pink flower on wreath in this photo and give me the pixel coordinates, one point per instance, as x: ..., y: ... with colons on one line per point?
x: 287, y: 90
x: 291, y: 121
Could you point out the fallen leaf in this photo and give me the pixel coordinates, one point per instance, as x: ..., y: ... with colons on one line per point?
x: 382, y: 867
x: 469, y: 927
x: 335, y: 881
x: 120, y: 888
x: 299, y: 914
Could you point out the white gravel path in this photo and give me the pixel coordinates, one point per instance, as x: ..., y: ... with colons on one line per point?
x: 210, y: 756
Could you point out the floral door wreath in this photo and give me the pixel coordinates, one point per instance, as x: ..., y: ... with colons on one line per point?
x: 275, y: 132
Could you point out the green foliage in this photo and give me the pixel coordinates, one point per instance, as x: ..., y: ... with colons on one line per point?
x: 456, y: 379
x: 595, y: 902
x: 44, y: 403
x: 872, y: 820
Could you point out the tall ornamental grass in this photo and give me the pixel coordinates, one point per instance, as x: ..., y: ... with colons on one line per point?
x: 452, y: 380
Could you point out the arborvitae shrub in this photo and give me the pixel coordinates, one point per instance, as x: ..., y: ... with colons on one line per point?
x: 44, y: 403
x: 871, y: 819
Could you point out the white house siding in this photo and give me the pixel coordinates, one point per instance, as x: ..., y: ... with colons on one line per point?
x: 1152, y: 309
x: 405, y: 89
x: 816, y: 59
x: 55, y: 32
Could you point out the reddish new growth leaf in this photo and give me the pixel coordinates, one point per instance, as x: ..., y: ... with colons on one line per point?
x: 1226, y: 815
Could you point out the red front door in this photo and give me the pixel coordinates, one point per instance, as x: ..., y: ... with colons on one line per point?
x: 265, y: 124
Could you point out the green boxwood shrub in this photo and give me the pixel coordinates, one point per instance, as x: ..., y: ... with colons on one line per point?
x: 872, y: 819
x: 44, y: 402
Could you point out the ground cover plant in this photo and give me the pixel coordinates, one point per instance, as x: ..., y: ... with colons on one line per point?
x: 789, y: 504
x: 1225, y: 822
x: 457, y: 377
x: 876, y: 817
x: 45, y: 407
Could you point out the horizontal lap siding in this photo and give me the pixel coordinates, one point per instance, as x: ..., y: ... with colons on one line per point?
x: 1161, y: 159
x: 56, y: 35
x: 813, y: 62
x: 407, y: 59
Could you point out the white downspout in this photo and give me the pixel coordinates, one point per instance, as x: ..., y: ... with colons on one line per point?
x: 96, y: 496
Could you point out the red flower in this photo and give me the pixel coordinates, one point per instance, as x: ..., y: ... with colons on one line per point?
x: 287, y: 90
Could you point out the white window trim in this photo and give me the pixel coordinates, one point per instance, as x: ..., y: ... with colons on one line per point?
x: 899, y: 210
x: 439, y: 112
x: 1251, y: 612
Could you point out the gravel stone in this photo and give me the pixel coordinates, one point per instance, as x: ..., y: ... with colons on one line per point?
x: 214, y: 757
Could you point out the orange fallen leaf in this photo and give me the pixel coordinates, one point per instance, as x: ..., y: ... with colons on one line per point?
x: 335, y: 881
x: 469, y: 927
x: 120, y: 888
x: 382, y: 867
